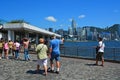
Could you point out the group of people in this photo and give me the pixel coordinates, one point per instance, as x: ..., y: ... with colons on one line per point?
x: 44, y: 52
x: 52, y: 52
x: 13, y: 48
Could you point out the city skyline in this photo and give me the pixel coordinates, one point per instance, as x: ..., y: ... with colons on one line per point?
x: 59, y: 13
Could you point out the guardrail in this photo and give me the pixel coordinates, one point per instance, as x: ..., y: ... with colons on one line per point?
x: 90, y: 52
x: 111, y: 53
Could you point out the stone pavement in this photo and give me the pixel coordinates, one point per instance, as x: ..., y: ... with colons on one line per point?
x: 71, y: 69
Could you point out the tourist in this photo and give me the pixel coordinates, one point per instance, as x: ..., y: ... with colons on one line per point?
x: 41, y: 50
x: 1, y: 48
x: 6, y: 49
x: 17, y: 49
x: 99, y: 54
x: 26, y: 51
x: 55, y: 53
x: 10, y: 44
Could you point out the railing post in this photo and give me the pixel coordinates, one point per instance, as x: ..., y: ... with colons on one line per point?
x: 114, y: 53
x: 77, y: 51
x: 94, y: 52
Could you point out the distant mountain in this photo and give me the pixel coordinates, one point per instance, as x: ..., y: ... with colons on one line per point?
x: 111, y: 29
x: 92, y: 28
x: 98, y: 29
x: 114, y: 28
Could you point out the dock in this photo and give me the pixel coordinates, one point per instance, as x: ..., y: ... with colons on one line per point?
x: 71, y: 69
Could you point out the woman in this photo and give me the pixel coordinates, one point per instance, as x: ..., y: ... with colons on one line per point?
x: 6, y: 49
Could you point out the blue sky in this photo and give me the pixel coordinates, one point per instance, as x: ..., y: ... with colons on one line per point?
x: 57, y: 14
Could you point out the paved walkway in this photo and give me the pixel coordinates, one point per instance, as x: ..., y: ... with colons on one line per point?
x: 71, y: 69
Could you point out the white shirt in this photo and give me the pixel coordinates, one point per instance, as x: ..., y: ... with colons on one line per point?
x: 17, y: 44
x: 102, y: 46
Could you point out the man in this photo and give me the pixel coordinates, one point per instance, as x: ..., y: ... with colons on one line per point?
x: 99, y: 55
x: 26, y: 51
x: 55, y: 53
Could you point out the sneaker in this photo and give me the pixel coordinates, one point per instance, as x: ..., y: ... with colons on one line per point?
x: 44, y: 74
x: 57, y: 72
x: 50, y: 70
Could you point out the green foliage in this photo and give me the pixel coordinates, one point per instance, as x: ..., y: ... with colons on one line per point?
x: 18, y: 21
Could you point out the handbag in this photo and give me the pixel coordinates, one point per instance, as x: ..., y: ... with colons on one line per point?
x: 97, y: 49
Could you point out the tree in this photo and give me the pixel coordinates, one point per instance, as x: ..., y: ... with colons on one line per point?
x: 18, y: 21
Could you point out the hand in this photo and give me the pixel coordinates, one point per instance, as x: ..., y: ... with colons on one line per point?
x: 49, y: 55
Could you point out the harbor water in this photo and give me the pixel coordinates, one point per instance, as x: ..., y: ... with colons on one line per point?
x: 87, y: 49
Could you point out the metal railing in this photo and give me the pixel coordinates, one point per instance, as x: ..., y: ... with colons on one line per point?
x: 111, y: 53
x: 90, y: 52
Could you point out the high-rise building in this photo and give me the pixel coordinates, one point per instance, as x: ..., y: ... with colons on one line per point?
x: 51, y: 29
x: 74, y: 27
x: 70, y: 31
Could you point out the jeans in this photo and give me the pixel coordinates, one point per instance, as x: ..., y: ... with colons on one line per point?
x: 26, y: 54
x: 16, y: 54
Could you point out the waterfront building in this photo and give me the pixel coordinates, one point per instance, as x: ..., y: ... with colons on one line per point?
x: 17, y: 31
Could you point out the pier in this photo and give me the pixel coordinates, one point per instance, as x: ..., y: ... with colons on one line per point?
x: 71, y: 69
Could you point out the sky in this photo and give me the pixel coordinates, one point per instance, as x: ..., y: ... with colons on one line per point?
x: 58, y: 14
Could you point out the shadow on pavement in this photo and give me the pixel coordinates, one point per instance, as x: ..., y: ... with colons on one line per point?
x: 91, y: 64
x: 35, y: 72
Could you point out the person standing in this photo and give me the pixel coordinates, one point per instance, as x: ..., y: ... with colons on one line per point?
x: 99, y: 55
x: 17, y: 49
x: 54, y: 50
x: 26, y: 51
x: 6, y: 49
x: 1, y: 48
x: 41, y: 50
x: 10, y: 44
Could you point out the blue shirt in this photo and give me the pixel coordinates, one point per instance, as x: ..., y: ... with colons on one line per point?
x: 55, y: 45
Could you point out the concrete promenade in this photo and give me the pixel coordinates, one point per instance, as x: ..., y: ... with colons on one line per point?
x: 71, y: 69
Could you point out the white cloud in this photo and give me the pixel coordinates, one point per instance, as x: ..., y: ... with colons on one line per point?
x: 81, y: 16
x: 50, y: 18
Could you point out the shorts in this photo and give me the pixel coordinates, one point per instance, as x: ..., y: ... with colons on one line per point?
x: 55, y: 56
x: 99, y: 56
x: 42, y: 62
